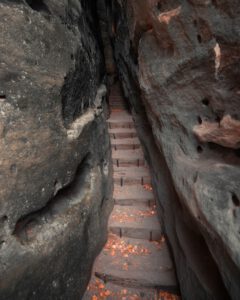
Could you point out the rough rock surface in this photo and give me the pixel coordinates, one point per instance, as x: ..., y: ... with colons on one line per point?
x: 55, y: 187
x: 179, y: 63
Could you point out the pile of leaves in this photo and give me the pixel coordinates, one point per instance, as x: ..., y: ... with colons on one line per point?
x: 148, y: 187
x: 100, y: 291
x: 116, y: 245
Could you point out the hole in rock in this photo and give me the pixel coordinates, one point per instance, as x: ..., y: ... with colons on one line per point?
x: 237, y: 152
x: 2, y: 243
x: 103, y: 201
x: 72, y: 57
x: 38, y: 5
x: 205, y: 101
x: 159, y: 6
x: 199, y: 120
x: 234, y: 213
x: 195, y: 23
x: 4, y: 219
x: 133, y: 54
x: 13, y: 169
x: 235, y: 200
x: 199, y: 38
x: 2, y: 96
x: 218, y: 119
x: 199, y: 149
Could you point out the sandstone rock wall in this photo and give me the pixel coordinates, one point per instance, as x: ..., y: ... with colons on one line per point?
x: 179, y: 63
x: 55, y: 171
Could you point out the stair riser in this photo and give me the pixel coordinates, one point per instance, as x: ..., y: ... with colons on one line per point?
x: 137, y: 233
x: 132, y: 181
x: 128, y: 163
x: 125, y: 147
x: 133, y: 202
x: 123, y: 135
x: 117, y: 105
x: 120, y: 125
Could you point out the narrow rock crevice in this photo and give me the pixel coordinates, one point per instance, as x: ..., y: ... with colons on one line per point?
x: 178, y: 65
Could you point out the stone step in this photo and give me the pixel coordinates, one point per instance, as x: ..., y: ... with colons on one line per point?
x: 125, y: 144
x: 132, y: 195
x: 116, y: 100
x: 117, y: 105
x: 125, y: 162
x: 117, y: 110
x: 115, y: 96
x: 120, y: 124
x: 112, y: 103
x: 128, y: 180
x: 135, y: 222
x: 136, y: 263
x: 98, y: 289
x: 122, y: 133
x: 117, y: 116
x: 134, y: 154
x: 128, y: 158
x: 131, y: 176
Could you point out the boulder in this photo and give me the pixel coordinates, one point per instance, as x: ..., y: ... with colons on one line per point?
x: 55, y: 175
x: 179, y: 64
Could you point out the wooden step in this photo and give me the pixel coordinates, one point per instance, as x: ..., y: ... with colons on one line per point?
x: 128, y: 162
x: 122, y: 133
x: 120, y: 124
x: 131, y: 176
x: 132, y: 195
x: 144, y: 264
x: 100, y: 289
x: 127, y: 180
x: 117, y: 116
x: 125, y: 144
x: 135, y: 222
x: 128, y: 158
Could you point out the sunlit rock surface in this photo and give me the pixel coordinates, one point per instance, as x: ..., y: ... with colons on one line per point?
x: 179, y: 63
x: 55, y: 174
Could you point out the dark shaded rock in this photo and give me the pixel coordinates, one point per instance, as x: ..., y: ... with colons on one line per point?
x: 179, y: 63
x: 55, y: 175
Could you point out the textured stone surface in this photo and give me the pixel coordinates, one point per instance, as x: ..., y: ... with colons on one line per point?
x: 179, y: 65
x: 55, y: 189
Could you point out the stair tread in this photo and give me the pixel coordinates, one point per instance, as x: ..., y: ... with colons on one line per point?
x: 119, y: 115
x: 122, y: 130
x: 136, y: 217
x: 116, y: 291
x: 136, y: 262
x: 127, y: 141
x: 127, y: 154
x: 132, y: 192
x: 135, y: 172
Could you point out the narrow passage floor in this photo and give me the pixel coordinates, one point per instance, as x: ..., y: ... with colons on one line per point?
x: 135, y: 263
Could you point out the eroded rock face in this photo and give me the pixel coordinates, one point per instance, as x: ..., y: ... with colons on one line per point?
x: 55, y: 175
x: 179, y: 63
